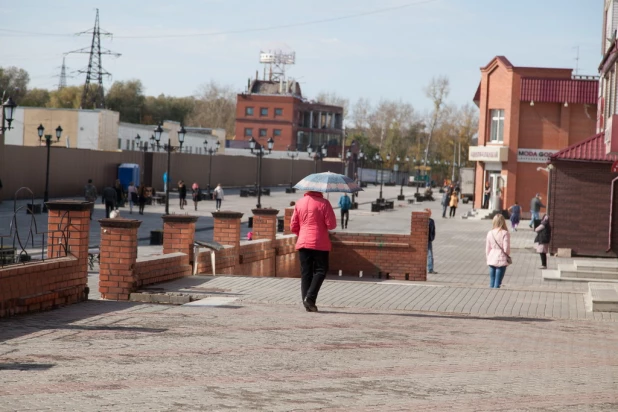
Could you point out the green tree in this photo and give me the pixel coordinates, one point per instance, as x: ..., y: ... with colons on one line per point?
x: 14, y: 83
x: 127, y: 98
x: 36, y: 98
x: 163, y: 107
x: 66, y: 98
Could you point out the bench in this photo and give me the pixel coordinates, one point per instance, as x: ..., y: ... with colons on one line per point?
x: 94, y: 256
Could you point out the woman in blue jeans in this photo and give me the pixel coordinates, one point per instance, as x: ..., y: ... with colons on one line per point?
x: 497, y: 251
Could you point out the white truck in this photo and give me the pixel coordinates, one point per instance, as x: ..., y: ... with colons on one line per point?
x: 466, y: 184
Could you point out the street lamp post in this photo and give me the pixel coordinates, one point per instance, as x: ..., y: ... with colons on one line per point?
x: 48, y: 143
x: 258, y: 150
x: 361, y: 157
x: 317, y: 155
x: 292, y: 154
x: 401, y: 196
x: 158, y: 131
x: 378, y: 159
x: 8, y: 111
x: 210, y: 151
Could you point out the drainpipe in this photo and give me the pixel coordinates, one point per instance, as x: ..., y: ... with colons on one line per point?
x: 611, y: 216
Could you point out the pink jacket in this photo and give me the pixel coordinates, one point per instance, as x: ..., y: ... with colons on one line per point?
x: 495, y: 256
x: 312, y: 219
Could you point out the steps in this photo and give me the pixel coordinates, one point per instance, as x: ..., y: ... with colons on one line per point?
x: 585, y: 271
x: 602, y: 297
x: 479, y: 214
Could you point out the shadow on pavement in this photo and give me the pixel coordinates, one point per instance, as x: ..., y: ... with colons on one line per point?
x: 454, y: 316
x: 18, y: 366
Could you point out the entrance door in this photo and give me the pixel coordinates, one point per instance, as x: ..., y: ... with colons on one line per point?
x: 496, y: 182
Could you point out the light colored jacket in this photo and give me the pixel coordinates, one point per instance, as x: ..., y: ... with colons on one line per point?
x: 496, y: 238
x: 312, y: 219
x: 219, y: 192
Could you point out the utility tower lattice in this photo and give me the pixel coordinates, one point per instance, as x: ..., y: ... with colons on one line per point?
x: 276, y: 61
x: 63, y: 76
x: 93, y: 96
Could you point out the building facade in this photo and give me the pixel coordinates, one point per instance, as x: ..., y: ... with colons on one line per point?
x: 526, y: 115
x: 277, y: 110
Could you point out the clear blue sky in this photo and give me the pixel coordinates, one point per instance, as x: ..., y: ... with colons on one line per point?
x: 388, y: 55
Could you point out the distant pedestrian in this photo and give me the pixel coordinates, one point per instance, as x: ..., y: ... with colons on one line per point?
x: 542, y: 239
x: 91, y: 195
x: 109, y: 199
x: 431, y: 238
x: 497, y: 251
x: 445, y: 202
x: 535, y: 209
x: 486, y: 196
x: 141, y: 197
x: 345, y: 204
x: 133, y: 197
x: 454, y: 202
x: 515, y: 212
x: 219, y: 195
x: 312, y: 219
x: 182, y: 194
x: 195, y: 188
x: 120, y: 197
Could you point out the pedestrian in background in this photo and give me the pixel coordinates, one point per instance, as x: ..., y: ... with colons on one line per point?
x: 453, y: 204
x: 91, y: 195
x: 141, y: 197
x: 497, y: 251
x: 515, y: 212
x: 345, y: 204
x: 431, y: 238
x: 182, y: 194
x: 535, y: 209
x: 312, y: 219
x: 219, y: 195
x: 195, y: 194
x: 109, y: 199
x: 445, y: 202
x: 542, y: 239
x: 133, y: 197
x: 119, y: 194
x: 486, y: 196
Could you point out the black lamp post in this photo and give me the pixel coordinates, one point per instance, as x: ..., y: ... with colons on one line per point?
x: 317, y: 155
x: 361, y: 157
x: 210, y: 152
x: 48, y: 143
x: 292, y: 154
x: 158, y: 131
x: 8, y: 111
x: 401, y: 196
x: 378, y: 159
x: 258, y: 150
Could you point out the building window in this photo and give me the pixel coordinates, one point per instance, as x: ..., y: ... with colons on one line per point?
x: 263, y: 132
x: 248, y: 131
x: 277, y: 132
x: 248, y: 111
x: 119, y: 144
x: 278, y: 112
x: 264, y: 111
x: 497, y: 125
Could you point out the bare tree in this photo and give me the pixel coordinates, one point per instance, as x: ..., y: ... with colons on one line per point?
x: 437, y: 90
x: 360, y: 114
x: 334, y: 99
x: 215, y: 106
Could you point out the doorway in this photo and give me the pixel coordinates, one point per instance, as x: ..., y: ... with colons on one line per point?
x: 496, y: 183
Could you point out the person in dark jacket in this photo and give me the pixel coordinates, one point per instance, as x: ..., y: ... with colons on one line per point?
x: 182, y: 194
x: 432, y: 236
x: 542, y: 239
x: 120, y: 195
x: 109, y: 198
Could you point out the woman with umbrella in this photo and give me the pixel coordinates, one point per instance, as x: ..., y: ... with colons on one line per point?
x: 312, y: 219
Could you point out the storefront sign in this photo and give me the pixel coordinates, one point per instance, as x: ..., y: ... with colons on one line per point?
x: 488, y: 154
x: 534, y: 155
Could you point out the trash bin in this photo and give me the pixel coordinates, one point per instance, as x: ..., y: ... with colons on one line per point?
x: 250, y: 222
x: 280, y: 224
x: 156, y: 237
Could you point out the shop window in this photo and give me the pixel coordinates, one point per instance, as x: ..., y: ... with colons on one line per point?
x: 248, y: 132
x: 264, y: 111
x: 248, y: 111
x: 263, y: 132
x: 497, y: 125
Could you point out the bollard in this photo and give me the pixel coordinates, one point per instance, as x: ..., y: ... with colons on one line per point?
x: 340, y: 272
x: 360, y: 274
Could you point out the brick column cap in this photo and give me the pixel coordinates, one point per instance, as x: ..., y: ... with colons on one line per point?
x: 120, y: 223
x: 265, y: 211
x: 226, y: 214
x: 179, y: 218
x: 70, y: 205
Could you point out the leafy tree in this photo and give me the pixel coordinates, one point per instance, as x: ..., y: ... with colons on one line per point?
x: 127, y: 98
x: 35, y: 98
x: 14, y: 83
x: 163, y: 107
x: 66, y: 98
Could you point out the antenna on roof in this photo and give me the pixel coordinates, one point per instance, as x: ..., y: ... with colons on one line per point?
x: 277, y: 61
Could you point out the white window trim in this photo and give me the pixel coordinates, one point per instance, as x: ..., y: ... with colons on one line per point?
x: 491, y: 123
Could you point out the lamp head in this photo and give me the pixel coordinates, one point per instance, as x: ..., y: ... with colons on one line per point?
x: 271, y: 143
x: 324, y: 150
x: 181, y: 134
x: 138, y: 137
x: 309, y: 150
x: 9, y: 110
x: 40, y: 130
x: 158, y: 131
x: 58, y: 132
x: 252, y: 144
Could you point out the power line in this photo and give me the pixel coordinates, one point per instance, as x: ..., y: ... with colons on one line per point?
x: 238, y: 31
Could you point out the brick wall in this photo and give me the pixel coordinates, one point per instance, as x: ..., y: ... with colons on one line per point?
x: 580, y: 208
x: 35, y: 286
x: 155, y: 269
x: 178, y: 234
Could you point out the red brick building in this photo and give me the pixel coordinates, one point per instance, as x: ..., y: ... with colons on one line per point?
x: 278, y: 110
x: 526, y: 115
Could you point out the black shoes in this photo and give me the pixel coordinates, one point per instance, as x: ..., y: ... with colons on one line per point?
x: 309, y: 306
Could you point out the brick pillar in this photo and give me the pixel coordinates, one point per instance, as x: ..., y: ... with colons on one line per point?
x: 419, y: 237
x: 117, y: 260
x: 179, y: 234
x: 68, y: 222
x: 287, y: 220
x: 265, y: 224
x: 227, y: 228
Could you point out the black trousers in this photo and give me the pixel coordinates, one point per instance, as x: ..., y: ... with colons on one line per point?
x: 543, y: 259
x: 218, y: 203
x: 109, y: 206
x: 452, y: 212
x: 313, y: 268
x: 345, y: 217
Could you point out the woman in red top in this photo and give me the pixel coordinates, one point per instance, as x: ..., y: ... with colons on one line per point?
x: 312, y: 219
